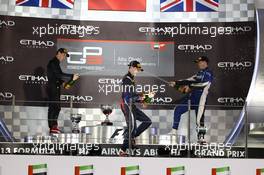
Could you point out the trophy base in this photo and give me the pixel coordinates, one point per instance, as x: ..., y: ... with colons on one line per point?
x: 106, y: 123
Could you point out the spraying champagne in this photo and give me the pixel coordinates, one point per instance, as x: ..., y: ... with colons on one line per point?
x: 71, y: 82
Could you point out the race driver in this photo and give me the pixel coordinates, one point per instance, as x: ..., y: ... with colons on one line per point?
x: 129, y: 94
x: 197, y: 88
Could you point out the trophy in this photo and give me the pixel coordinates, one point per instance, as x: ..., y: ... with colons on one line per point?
x: 201, y: 131
x: 75, y: 118
x: 107, y: 110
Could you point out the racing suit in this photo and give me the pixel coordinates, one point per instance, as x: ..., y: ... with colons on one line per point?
x: 199, y: 84
x: 129, y: 95
x: 56, y: 77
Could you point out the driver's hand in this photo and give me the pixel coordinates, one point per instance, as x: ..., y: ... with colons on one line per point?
x: 172, y: 83
x: 75, y: 77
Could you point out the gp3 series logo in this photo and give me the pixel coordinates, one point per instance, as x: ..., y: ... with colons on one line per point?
x: 6, y: 59
x: 7, y: 24
x: 6, y: 95
x: 231, y: 101
x: 88, y: 55
x: 195, y: 48
x: 238, y: 65
x: 77, y: 98
x: 36, y: 43
x: 33, y: 79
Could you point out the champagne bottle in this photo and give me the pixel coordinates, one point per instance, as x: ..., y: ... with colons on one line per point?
x: 69, y: 84
x: 147, y: 99
x: 177, y: 87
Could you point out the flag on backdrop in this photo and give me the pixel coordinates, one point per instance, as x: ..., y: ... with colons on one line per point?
x: 63, y: 4
x: 189, y: 5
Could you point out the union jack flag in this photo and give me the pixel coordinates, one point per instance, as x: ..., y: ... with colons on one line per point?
x: 189, y: 5
x: 64, y: 4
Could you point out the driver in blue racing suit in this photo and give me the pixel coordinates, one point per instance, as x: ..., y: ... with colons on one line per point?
x: 197, y: 88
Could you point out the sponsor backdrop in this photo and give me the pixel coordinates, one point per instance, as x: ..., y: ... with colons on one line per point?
x: 100, y: 52
x: 121, y: 166
x: 29, y: 50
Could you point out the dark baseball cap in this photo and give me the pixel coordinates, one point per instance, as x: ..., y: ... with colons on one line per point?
x: 135, y: 64
x: 63, y: 50
x: 202, y: 58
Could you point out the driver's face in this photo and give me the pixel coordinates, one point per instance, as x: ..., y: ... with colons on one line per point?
x: 202, y: 64
x: 61, y: 56
x: 135, y: 70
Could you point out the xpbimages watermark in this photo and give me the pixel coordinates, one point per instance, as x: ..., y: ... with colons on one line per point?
x: 66, y: 29
x: 108, y: 86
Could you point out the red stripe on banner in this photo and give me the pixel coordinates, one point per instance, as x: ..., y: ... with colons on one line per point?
x: 45, y: 3
x: 212, y: 2
x: 189, y: 5
x: 118, y: 5
x: 77, y: 171
x: 30, y: 170
x: 168, y: 171
x: 258, y: 172
x: 123, y: 171
x: 172, y: 3
x: 18, y: 1
x: 213, y: 171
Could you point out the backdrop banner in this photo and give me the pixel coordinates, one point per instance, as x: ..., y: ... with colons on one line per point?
x: 100, y: 52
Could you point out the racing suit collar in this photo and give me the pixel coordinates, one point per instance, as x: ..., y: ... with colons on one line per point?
x: 130, y: 75
x: 202, y: 70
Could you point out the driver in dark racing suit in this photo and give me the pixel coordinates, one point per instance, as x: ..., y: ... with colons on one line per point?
x: 129, y: 94
x: 197, y: 88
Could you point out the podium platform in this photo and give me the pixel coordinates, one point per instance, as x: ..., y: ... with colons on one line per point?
x: 106, y: 135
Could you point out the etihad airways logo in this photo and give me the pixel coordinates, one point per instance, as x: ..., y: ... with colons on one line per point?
x: 7, y: 24
x: 6, y: 95
x: 161, y: 100
x: 6, y: 59
x: 195, y: 47
x: 231, y: 101
x: 186, y: 29
x: 76, y: 98
x: 33, y: 79
x: 235, y: 65
x: 36, y: 43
